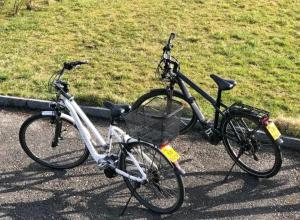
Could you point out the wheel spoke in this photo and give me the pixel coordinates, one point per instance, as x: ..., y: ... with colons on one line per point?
x: 259, y: 158
x: 162, y: 191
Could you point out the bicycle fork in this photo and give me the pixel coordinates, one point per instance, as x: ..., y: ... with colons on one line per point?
x: 57, y: 133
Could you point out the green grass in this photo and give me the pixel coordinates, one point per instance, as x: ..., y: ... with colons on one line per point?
x: 256, y: 43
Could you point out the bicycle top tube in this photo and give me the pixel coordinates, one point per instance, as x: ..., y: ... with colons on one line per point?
x: 182, y: 77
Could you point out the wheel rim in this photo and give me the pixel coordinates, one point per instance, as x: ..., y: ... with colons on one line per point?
x: 259, y: 155
x: 39, y: 136
x: 162, y: 191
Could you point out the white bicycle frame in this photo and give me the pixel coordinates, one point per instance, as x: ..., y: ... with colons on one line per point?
x: 79, y: 118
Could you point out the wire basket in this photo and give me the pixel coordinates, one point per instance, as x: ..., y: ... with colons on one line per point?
x: 156, y: 122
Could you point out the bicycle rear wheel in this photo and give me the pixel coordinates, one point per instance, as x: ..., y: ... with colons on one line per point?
x: 37, y: 138
x: 164, y: 191
x: 261, y: 156
x: 188, y: 119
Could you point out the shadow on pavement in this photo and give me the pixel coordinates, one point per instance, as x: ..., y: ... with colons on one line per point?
x: 107, y: 200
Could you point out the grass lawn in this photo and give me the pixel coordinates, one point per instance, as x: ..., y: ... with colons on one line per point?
x: 257, y: 43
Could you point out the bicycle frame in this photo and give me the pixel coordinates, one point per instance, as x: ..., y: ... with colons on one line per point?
x: 216, y: 103
x: 79, y: 118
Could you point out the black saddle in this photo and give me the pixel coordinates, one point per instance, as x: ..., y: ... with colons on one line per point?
x: 223, y: 84
x: 116, y: 109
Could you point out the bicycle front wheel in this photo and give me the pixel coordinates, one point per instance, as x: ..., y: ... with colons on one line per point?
x: 188, y: 119
x: 164, y: 191
x: 261, y: 156
x: 37, y: 138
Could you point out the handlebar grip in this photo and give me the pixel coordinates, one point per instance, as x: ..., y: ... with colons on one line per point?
x: 172, y: 37
x: 169, y: 45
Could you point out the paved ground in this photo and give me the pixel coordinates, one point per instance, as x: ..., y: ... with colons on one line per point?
x: 29, y: 191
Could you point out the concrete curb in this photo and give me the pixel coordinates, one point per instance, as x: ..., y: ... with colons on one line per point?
x: 291, y: 143
x: 98, y: 112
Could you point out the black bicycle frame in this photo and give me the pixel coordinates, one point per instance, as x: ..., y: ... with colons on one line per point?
x: 180, y: 79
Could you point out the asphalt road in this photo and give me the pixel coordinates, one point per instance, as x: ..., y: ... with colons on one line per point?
x: 29, y: 191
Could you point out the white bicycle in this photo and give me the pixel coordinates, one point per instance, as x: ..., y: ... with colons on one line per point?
x: 64, y: 137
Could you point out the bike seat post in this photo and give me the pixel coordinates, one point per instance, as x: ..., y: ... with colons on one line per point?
x: 218, y: 104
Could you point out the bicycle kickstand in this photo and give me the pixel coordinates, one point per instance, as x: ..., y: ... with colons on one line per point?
x: 127, y: 203
x: 241, y: 151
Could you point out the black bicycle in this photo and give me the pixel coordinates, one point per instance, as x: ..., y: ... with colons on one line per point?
x: 250, y: 138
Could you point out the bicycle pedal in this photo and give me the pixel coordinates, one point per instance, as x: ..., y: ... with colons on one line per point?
x: 211, y: 136
x: 102, y: 164
x: 208, y: 132
x: 108, y: 161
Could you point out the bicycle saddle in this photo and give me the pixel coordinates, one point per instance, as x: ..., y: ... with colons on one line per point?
x: 223, y: 84
x: 116, y: 109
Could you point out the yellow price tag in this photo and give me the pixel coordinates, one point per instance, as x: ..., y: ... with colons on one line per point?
x: 273, y: 130
x: 170, y: 153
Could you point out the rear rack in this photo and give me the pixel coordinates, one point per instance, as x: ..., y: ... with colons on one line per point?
x: 240, y: 107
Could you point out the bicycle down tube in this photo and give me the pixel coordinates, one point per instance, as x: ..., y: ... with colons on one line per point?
x: 216, y: 103
x: 181, y: 79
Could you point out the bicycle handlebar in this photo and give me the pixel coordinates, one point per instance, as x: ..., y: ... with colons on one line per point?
x: 55, y: 78
x: 169, y: 45
x: 170, y: 63
x: 71, y: 65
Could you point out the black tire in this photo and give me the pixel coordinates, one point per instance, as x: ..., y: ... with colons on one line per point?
x: 189, y: 117
x: 256, y: 140
x: 36, y: 136
x: 156, y: 194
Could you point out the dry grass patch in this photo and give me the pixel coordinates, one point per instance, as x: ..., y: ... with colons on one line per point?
x: 289, y: 126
